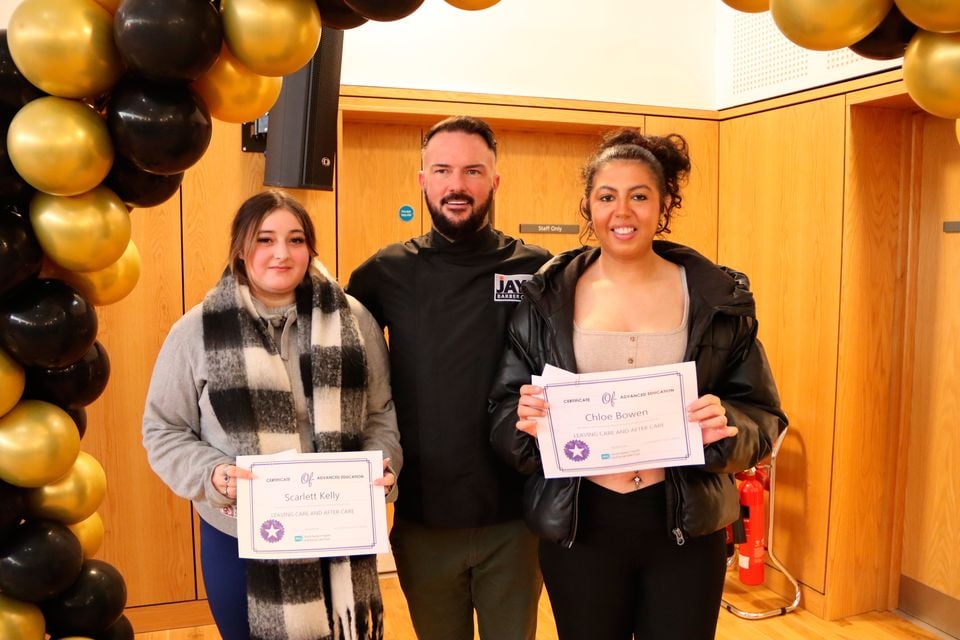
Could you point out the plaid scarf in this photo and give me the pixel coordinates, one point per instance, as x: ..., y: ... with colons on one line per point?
x: 314, y: 599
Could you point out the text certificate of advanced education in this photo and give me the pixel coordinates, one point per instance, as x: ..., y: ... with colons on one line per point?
x: 616, y: 421
x: 311, y: 505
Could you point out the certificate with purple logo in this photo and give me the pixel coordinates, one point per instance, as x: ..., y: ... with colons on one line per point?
x: 312, y: 505
x: 616, y: 421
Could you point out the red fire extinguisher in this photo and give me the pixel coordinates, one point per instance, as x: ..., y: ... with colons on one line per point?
x: 752, y: 551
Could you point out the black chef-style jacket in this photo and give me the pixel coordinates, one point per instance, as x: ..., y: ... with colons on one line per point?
x: 445, y: 307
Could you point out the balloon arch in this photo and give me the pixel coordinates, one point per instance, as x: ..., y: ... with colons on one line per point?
x: 100, y: 115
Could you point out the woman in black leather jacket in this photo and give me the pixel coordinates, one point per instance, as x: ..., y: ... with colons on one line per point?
x: 637, y: 554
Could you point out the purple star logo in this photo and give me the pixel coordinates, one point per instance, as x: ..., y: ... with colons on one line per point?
x: 576, y: 450
x: 272, y: 531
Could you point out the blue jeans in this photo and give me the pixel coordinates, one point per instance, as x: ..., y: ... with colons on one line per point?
x: 225, y: 579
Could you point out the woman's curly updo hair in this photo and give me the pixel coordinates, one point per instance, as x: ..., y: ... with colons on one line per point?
x: 667, y: 157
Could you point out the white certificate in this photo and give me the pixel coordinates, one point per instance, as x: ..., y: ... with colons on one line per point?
x: 311, y: 505
x: 616, y: 421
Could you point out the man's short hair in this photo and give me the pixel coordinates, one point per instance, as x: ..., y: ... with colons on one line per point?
x: 463, y: 124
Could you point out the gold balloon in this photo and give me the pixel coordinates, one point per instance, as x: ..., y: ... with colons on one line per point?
x: 73, y: 497
x: 60, y: 146
x: 271, y: 37
x: 931, y: 72
x: 472, y: 5
x: 12, y: 382
x: 107, y: 285
x: 90, y: 534
x: 20, y: 620
x: 233, y: 93
x: 64, y: 47
x: 88, y: 232
x: 39, y: 443
x: 747, y: 6
x: 932, y: 15
x: 957, y: 130
x: 823, y: 25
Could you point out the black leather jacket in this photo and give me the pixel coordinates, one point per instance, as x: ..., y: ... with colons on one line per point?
x: 731, y: 364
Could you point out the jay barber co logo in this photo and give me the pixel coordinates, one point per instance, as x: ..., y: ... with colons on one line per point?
x: 508, y: 288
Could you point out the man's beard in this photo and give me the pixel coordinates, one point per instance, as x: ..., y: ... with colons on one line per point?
x: 460, y: 228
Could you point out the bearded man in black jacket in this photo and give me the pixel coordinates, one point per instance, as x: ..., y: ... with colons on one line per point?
x: 445, y: 299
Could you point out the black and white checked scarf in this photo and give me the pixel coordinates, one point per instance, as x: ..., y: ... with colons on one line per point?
x: 327, y: 598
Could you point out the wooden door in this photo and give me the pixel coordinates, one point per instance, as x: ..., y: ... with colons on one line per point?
x: 930, y: 582
x: 540, y: 184
x: 695, y: 223
x: 781, y: 210
x: 139, y: 513
x: 377, y: 177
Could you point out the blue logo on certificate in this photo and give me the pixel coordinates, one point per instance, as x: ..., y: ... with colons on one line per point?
x: 272, y: 531
x: 577, y: 450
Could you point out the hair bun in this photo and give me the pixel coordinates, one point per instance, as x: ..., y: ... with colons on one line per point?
x: 621, y: 137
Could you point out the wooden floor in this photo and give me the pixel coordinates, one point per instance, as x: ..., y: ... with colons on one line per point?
x: 797, y: 625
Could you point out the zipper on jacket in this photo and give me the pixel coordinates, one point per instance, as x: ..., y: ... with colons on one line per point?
x: 676, y: 530
x: 576, y: 514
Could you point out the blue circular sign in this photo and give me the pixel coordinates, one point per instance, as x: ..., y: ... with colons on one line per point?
x: 406, y: 213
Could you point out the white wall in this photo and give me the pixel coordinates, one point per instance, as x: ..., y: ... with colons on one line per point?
x: 654, y: 52
x: 697, y: 54
x: 755, y: 61
x: 6, y: 8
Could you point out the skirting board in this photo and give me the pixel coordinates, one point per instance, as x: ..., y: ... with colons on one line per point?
x: 929, y: 605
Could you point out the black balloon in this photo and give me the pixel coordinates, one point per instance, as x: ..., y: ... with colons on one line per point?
x: 168, y: 40
x: 889, y: 40
x: 76, y: 385
x: 39, y: 560
x: 335, y: 14
x: 162, y: 129
x: 90, y: 605
x: 384, y: 10
x: 12, y: 186
x: 79, y: 416
x: 11, y: 507
x: 139, y: 188
x: 119, y: 630
x: 15, y: 91
x: 20, y: 254
x: 47, y: 324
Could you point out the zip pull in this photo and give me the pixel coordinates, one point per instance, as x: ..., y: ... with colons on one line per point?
x: 679, y: 536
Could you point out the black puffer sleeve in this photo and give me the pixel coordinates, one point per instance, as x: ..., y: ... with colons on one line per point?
x: 521, y: 360
x: 747, y: 390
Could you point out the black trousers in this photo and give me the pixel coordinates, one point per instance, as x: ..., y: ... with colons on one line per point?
x: 626, y: 577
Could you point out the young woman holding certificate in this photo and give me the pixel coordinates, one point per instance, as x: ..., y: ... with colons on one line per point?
x: 638, y: 553
x: 275, y: 358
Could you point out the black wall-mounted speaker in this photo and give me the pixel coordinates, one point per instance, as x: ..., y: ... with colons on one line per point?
x: 302, y: 125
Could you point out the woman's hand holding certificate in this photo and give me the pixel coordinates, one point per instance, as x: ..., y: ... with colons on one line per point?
x: 615, y: 421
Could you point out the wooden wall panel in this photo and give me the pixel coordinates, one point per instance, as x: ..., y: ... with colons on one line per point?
x: 932, y: 514
x: 540, y: 183
x: 147, y: 529
x: 870, y: 360
x: 781, y: 206
x: 212, y: 191
x: 378, y: 171
x: 695, y: 224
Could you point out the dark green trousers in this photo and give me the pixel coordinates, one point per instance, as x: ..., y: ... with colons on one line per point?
x: 447, y: 574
